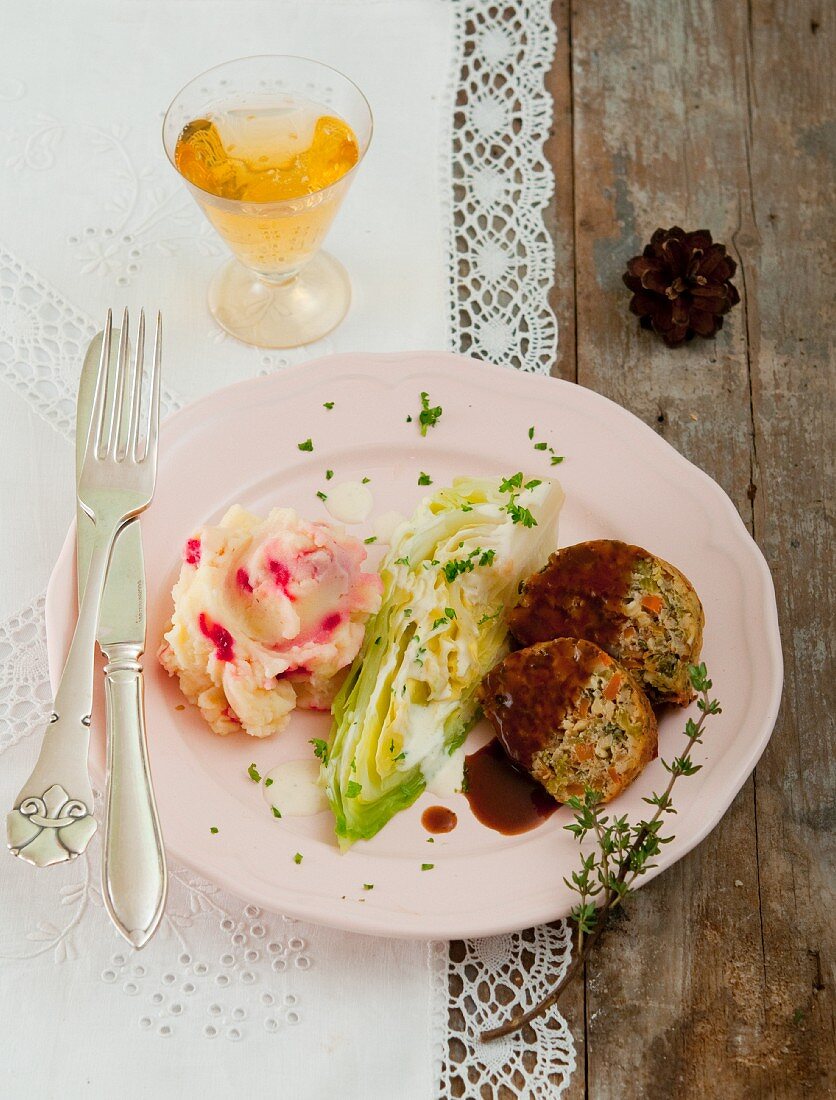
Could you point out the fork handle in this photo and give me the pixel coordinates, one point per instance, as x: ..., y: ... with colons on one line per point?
x: 52, y: 820
x: 134, y: 876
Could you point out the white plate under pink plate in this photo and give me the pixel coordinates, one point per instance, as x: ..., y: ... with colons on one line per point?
x: 621, y: 481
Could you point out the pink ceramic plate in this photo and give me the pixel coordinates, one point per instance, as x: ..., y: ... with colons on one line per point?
x: 621, y: 481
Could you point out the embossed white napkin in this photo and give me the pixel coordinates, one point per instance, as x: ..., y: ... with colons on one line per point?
x: 228, y: 998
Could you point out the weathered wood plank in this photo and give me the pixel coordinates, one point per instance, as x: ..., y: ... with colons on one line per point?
x: 560, y: 217
x: 675, y: 997
x: 786, y: 242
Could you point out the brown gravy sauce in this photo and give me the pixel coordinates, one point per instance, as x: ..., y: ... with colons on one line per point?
x: 503, y: 797
x: 577, y: 594
x: 438, y: 819
x: 527, y: 694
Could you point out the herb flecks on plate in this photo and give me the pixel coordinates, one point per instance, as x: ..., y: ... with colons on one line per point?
x: 429, y: 415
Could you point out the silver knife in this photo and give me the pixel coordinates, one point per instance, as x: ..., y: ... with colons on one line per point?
x: 134, y: 876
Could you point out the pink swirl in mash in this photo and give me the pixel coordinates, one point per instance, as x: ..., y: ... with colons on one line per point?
x: 267, y: 615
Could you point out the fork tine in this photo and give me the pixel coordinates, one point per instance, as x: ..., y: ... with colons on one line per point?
x: 122, y: 366
x: 154, y: 402
x: 136, y: 395
x: 94, y: 432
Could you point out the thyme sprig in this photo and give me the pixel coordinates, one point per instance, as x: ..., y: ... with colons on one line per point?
x: 622, y: 853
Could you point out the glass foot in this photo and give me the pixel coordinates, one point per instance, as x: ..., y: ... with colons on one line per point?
x: 281, y: 315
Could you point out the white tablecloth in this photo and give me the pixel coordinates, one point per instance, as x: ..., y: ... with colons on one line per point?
x: 91, y: 215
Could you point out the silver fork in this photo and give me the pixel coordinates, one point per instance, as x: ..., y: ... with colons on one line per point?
x: 53, y: 816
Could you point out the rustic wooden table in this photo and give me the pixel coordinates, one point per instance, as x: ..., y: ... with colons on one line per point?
x: 718, y: 980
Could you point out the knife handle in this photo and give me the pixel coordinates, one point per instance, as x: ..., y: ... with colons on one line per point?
x: 134, y: 875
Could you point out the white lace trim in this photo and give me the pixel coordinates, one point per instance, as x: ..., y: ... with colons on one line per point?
x: 513, y: 971
x: 43, y: 339
x: 500, y: 255
x: 501, y: 263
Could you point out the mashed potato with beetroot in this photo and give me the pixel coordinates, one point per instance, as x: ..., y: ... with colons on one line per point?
x: 267, y: 614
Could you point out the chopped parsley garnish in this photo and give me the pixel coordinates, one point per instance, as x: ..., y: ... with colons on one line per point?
x: 297, y: 858
x: 533, y: 484
x: 456, y: 566
x: 276, y: 812
x: 392, y: 744
x: 487, y: 618
x: 353, y: 789
x: 465, y: 787
x: 328, y: 405
x: 320, y: 749
x: 268, y: 782
x: 439, y: 622
x: 353, y: 765
x: 400, y: 756
x: 329, y: 474
x: 467, y: 507
x: 306, y: 446
x: 213, y: 829
x: 370, y: 539
x: 508, y: 484
x: 521, y: 515
x: 424, y: 479
x: 401, y: 561
x: 430, y: 840
x: 428, y: 416
x: 555, y: 459
x: 449, y: 611
x: 365, y: 481
x: 321, y: 495
x: 409, y: 420
x: 368, y: 886
x: 427, y: 866
x: 407, y: 612
x: 253, y: 773
x: 466, y: 565
x: 517, y: 512
x: 377, y: 640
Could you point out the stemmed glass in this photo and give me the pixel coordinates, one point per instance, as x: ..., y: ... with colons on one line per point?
x: 279, y: 290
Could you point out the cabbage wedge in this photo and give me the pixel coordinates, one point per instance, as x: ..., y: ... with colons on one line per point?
x: 409, y: 699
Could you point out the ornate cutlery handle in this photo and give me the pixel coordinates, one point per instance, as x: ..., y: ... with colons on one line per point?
x: 134, y: 876
x: 53, y: 816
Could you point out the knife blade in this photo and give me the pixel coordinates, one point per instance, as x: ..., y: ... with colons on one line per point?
x: 134, y: 874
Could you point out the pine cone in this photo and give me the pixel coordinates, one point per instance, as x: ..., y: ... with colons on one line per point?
x: 681, y: 285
